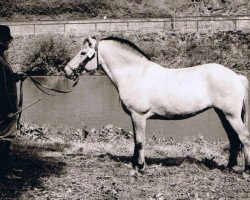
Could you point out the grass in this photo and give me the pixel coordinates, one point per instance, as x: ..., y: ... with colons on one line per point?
x: 90, y: 139
x: 62, y: 163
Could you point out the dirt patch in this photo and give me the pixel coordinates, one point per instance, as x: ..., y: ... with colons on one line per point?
x: 95, y: 164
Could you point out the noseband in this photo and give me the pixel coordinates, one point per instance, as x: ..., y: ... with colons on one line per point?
x: 89, y: 55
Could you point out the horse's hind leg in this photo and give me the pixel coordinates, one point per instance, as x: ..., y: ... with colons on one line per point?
x: 139, y: 124
x: 244, y: 137
x: 233, y: 138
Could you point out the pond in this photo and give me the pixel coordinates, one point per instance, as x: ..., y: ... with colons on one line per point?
x: 94, y: 102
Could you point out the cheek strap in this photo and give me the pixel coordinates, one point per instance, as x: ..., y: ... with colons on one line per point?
x: 90, y: 53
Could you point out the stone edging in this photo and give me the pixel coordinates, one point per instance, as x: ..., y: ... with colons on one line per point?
x: 185, y: 24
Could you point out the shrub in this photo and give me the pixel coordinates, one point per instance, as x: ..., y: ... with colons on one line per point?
x: 49, y: 57
x: 97, y: 9
x: 6, y: 8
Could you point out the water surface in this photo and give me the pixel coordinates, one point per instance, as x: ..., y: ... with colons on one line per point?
x: 94, y: 102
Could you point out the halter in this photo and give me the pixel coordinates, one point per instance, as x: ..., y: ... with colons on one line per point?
x: 89, y: 55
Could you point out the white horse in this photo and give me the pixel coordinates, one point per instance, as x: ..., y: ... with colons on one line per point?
x: 148, y: 90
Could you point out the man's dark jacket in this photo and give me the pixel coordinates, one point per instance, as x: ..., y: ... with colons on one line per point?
x: 8, y: 93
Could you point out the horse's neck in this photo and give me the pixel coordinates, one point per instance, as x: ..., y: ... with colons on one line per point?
x: 119, y: 63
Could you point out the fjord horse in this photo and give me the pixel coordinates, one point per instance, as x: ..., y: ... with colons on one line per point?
x: 148, y: 90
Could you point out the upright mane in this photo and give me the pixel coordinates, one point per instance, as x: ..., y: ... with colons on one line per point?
x: 128, y: 44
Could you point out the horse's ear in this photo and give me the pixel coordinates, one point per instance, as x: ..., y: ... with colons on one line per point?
x: 86, y: 40
x: 92, y: 42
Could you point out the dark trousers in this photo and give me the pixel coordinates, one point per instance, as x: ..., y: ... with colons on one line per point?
x: 4, y: 156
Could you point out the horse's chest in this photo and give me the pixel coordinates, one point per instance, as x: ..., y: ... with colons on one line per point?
x: 135, y: 98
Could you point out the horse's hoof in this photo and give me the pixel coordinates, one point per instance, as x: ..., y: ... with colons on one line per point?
x: 142, y: 169
x: 234, y: 170
x: 139, y: 167
x: 132, y: 172
x: 245, y: 175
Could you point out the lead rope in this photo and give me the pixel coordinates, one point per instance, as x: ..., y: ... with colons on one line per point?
x: 41, y: 87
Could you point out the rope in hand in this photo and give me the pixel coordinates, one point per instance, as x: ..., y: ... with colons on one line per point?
x: 42, y: 87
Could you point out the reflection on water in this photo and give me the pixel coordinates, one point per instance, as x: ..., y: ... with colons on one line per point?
x: 95, y: 103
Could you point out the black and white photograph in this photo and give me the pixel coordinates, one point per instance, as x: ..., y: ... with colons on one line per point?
x: 124, y: 100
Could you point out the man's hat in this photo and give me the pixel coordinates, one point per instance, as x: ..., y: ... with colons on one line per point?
x: 5, y: 33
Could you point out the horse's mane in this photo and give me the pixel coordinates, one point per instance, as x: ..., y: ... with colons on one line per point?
x: 127, y: 43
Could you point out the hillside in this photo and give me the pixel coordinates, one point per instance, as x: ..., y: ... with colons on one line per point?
x: 27, y: 10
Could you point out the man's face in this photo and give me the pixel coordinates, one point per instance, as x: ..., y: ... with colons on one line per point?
x: 5, y: 44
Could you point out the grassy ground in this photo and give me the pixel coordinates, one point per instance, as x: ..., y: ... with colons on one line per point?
x: 61, y: 163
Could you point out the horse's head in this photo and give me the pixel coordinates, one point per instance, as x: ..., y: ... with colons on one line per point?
x: 84, y: 59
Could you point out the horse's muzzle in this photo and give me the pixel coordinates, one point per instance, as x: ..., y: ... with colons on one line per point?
x: 69, y: 73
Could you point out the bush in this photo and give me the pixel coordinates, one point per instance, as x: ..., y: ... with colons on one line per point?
x: 49, y: 57
x: 97, y: 9
x: 6, y: 8
x: 82, y: 9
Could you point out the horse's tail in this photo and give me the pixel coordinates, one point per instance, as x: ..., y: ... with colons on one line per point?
x: 245, y: 107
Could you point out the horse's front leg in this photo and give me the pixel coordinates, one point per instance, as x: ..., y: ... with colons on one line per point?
x: 139, y: 124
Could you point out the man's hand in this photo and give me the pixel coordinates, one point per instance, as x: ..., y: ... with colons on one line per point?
x: 21, y: 76
x: 10, y: 115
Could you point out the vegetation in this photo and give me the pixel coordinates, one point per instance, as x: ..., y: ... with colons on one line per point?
x: 98, y: 9
x: 48, y: 55
x: 62, y: 163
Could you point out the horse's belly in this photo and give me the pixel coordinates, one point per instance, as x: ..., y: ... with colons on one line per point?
x: 174, y: 105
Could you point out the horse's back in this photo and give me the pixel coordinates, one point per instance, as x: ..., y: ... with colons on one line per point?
x: 216, y: 75
x: 192, y: 89
x: 220, y: 76
x: 186, y: 90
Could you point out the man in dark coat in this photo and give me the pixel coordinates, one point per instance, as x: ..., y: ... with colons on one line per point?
x: 8, y: 99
